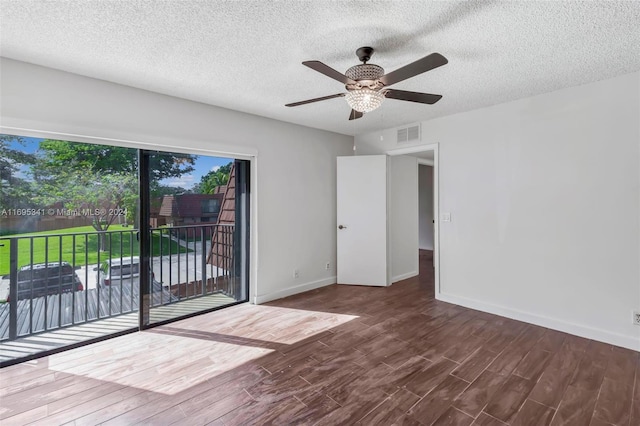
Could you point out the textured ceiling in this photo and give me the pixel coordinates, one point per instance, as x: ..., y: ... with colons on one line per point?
x: 246, y: 55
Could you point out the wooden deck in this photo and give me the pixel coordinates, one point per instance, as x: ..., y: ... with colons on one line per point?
x: 55, y: 339
x: 336, y: 355
x: 47, y: 312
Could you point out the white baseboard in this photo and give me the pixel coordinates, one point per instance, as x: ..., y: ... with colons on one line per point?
x: 403, y: 276
x: 629, y: 342
x: 290, y: 291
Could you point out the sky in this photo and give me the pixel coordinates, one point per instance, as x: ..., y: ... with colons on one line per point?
x: 203, y: 165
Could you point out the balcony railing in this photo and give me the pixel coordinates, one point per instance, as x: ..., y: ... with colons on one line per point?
x: 61, y: 280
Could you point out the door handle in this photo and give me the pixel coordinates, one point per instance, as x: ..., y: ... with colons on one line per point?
x: 342, y: 227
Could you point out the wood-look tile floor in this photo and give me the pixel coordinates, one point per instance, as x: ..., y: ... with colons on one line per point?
x: 336, y: 355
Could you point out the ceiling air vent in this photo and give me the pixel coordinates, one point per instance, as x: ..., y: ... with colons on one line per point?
x: 409, y: 134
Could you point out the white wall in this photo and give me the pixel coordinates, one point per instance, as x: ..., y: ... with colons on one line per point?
x: 294, y: 175
x: 403, y: 217
x: 425, y: 207
x: 544, y: 196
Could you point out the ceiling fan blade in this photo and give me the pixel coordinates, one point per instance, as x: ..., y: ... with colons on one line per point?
x: 308, y: 101
x: 355, y: 114
x: 328, y: 71
x: 403, y: 95
x: 425, y: 64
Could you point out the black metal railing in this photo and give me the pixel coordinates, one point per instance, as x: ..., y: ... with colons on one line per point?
x: 60, y: 280
x: 208, y: 265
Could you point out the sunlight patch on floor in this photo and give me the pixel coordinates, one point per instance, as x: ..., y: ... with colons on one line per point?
x: 272, y: 323
x: 172, y: 358
x: 140, y: 360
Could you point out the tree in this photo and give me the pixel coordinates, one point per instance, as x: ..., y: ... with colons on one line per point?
x: 55, y: 154
x: 214, y: 178
x: 14, y: 190
x: 104, y: 198
x: 100, y: 181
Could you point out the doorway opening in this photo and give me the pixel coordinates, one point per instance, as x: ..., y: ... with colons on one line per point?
x: 428, y: 202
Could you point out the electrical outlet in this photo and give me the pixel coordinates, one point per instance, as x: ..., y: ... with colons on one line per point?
x: 636, y: 317
x: 296, y: 273
x: 327, y: 266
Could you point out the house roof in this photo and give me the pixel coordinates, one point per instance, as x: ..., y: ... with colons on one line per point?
x: 221, y: 252
x: 228, y: 208
x: 247, y: 55
x: 186, y: 205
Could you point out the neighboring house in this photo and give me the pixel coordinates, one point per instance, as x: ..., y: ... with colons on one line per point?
x: 189, y: 209
x: 155, y: 220
x: 221, y: 252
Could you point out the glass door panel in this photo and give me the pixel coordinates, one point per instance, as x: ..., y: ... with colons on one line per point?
x: 193, y: 236
x: 66, y: 215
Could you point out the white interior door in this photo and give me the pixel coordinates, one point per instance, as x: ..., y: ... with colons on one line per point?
x: 362, y: 220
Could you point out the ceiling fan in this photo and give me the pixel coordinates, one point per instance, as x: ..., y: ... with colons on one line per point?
x: 367, y: 84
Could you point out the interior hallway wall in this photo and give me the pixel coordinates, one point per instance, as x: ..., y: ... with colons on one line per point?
x: 425, y: 206
x: 403, y: 217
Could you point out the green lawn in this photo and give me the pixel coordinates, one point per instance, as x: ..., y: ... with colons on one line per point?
x: 121, y: 243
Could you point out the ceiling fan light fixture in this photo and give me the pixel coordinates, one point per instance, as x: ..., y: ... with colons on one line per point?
x: 367, y: 84
x: 364, y: 100
x: 365, y: 72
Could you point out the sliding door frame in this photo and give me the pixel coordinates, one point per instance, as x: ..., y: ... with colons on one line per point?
x: 248, y: 199
x: 241, y: 249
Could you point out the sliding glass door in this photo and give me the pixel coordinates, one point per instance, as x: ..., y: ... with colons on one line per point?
x: 99, y: 240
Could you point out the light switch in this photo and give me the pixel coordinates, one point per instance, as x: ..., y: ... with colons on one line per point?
x: 446, y: 217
